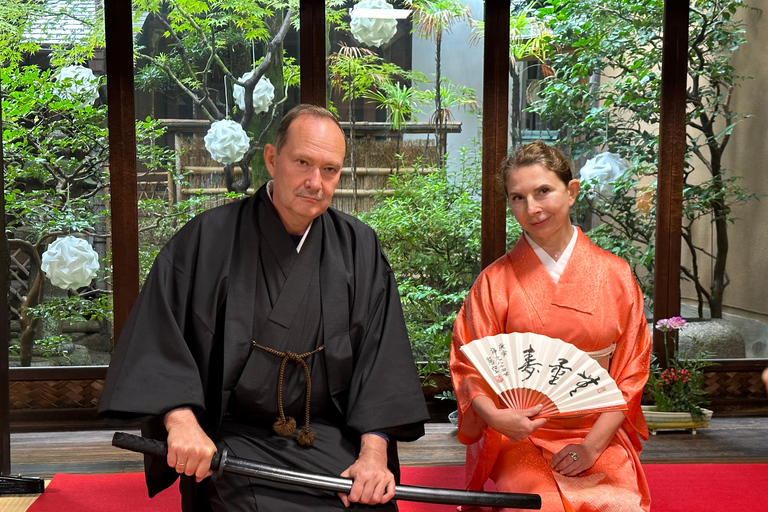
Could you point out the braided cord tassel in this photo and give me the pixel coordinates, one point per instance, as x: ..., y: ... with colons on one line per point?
x: 286, y: 426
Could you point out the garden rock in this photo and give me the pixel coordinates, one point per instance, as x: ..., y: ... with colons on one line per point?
x: 718, y: 336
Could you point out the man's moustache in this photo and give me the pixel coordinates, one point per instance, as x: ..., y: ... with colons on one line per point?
x: 319, y: 196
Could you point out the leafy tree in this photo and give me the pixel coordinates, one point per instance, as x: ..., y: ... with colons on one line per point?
x: 208, y: 44
x: 355, y: 71
x: 430, y: 230
x: 604, y: 93
x: 56, y: 181
x: 526, y: 44
x: 14, y: 18
x: 55, y: 153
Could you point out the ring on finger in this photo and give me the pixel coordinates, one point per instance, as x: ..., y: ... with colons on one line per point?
x: 181, y: 464
x: 574, y: 455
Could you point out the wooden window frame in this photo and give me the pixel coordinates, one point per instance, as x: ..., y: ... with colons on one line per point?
x: 122, y: 144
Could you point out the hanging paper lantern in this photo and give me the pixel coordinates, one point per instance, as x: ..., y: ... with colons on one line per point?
x: 70, y: 263
x: 372, y: 31
x: 78, y: 82
x: 263, y: 93
x: 603, y: 169
x: 226, y: 141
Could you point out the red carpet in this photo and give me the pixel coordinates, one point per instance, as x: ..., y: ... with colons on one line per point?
x: 674, y: 488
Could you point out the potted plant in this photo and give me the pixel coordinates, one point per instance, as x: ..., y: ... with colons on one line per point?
x: 678, y: 390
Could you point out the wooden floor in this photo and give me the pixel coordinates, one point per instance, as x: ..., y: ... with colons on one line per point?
x: 726, y: 440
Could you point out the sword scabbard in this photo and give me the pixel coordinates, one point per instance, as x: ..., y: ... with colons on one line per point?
x: 221, y: 462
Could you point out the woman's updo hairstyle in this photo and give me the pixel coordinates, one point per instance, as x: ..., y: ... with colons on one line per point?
x: 536, y: 153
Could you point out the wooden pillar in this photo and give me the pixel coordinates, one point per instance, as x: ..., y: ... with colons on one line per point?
x: 122, y: 158
x: 312, y: 51
x: 5, y: 407
x: 669, y: 199
x: 495, y: 122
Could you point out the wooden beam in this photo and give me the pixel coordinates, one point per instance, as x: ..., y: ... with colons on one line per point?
x: 122, y: 159
x: 5, y: 328
x: 669, y: 207
x: 495, y: 121
x: 312, y: 51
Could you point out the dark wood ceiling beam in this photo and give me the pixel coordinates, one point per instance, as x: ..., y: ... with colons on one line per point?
x: 312, y: 51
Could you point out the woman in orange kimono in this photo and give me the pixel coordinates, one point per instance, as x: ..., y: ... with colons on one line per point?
x: 555, y: 282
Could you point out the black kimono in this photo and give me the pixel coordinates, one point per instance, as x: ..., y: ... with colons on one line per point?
x: 232, y: 277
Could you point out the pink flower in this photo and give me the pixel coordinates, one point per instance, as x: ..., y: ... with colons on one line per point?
x: 677, y: 323
x: 671, y: 324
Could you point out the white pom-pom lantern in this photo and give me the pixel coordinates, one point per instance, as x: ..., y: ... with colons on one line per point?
x: 226, y: 141
x: 372, y: 31
x: 70, y: 263
x: 78, y: 82
x: 604, y: 168
x: 263, y: 93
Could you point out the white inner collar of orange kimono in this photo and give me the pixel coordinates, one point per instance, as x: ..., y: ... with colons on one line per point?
x: 271, y: 184
x: 554, y: 267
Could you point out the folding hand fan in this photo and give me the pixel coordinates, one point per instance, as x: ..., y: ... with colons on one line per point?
x: 527, y: 369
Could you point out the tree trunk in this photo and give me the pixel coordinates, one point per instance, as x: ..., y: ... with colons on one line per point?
x: 515, y: 114
x: 29, y: 325
x: 352, y: 163
x: 720, y: 214
x: 439, y: 135
x: 719, y: 279
x: 397, y: 151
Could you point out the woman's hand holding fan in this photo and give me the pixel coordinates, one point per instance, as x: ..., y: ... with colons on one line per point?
x: 516, y: 424
x: 527, y: 369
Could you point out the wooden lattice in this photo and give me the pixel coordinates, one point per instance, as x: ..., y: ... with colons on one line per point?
x: 20, y: 276
x: 55, y: 394
x: 734, y: 385
x: 153, y: 185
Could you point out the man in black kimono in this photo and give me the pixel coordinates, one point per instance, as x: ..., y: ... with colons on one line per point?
x: 275, y: 306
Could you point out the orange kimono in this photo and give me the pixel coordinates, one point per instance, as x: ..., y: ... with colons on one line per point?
x: 595, y: 303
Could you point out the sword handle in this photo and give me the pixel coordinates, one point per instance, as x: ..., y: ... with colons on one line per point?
x: 151, y: 447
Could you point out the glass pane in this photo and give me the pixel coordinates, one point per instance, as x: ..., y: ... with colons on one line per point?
x: 589, y: 83
x: 413, y: 168
x: 600, y: 102
x: 724, y: 252
x: 56, y: 183
x: 207, y: 138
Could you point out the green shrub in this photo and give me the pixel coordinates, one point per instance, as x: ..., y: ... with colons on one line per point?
x: 430, y: 231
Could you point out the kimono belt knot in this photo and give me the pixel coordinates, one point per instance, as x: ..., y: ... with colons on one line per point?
x: 286, y: 426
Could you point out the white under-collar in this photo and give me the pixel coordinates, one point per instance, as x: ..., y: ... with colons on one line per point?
x: 554, y: 267
x: 270, y: 185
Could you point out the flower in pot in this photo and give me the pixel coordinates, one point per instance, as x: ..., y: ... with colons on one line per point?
x: 679, y: 388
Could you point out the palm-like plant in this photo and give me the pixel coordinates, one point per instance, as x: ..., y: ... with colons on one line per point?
x: 348, y: 76
x: 354, y: 71
x: 399, y: 100
x: 433, y: 18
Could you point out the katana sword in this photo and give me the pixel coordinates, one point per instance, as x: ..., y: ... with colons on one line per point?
x: 222, y: 463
